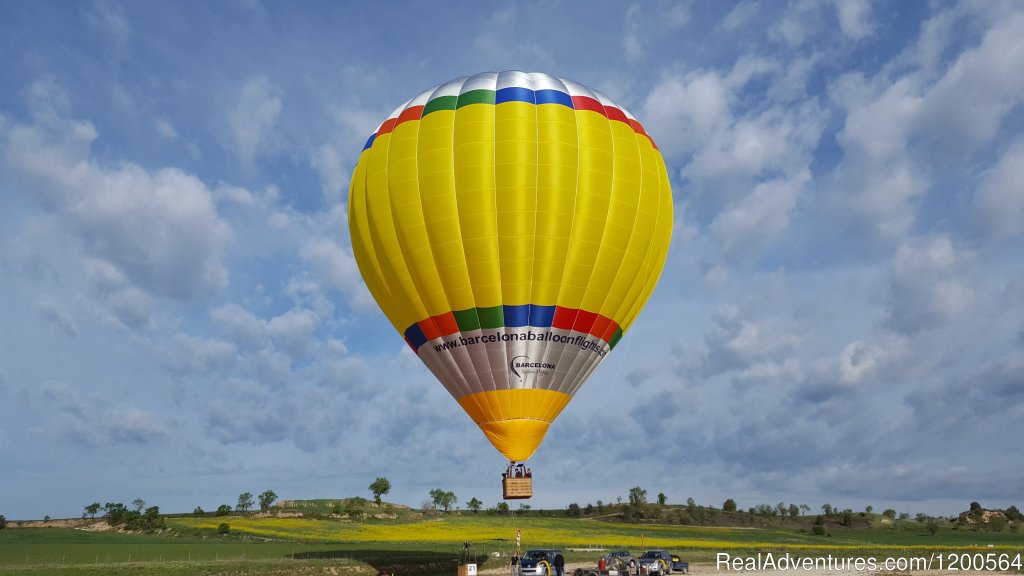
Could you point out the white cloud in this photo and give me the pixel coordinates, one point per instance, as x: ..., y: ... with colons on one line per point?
x: 334, y: 178
x: 54, y: 311
x: 160, y: 229
x: 894, y: 126
x: 186, y: 354
x: 334, y: 267
x: 293, y: 331
x: 631, y: 41
x: 860, y: 359
x: 165, y: 128
x: 252, y: 118
x: 800, y: 22
x: 242, y: 325
x: 925, y: 285
x: 686, y: 109
x: 741, y: 15
x: 999, y: 198
x: 753, y: 222
x: 855, y: 18
x: 111, y: 23
x: 89, y: 422
x: 736, y: 344
x: 966, y: 106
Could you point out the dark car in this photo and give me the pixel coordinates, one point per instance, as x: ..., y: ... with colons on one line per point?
x: 678, y: 565
x: 656, y: 562
x: 538, y: 562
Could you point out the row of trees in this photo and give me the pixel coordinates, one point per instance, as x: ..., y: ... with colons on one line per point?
x: 244, y: 504
x: 137, y: 517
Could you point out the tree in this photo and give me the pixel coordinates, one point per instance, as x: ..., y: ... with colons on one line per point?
x: 933, y: 528
x: 904, y: 515
x: 198, y: 511
x: 92, y: 509
x: 114, y: 513
x: 138, y: 504
x: 804, y: 508
x: 691, y: 504
x: 976, y: 509
x: 794, y: 510
x: 573, y: 509
x: 267, y: 500
x: 149, y: 520
x: 502, y: 508
x: 826, y: 509
x: 379, y: 487
x: 1013, y: 514
x: 474, y: 505
x: 442, y: 499
x: 3, y: 522
x: 637, y: 496
x: 524, y: 507
x: 223, y: 510
x: 662, y: 498
x: 781, y: 508
x: 868, y: 509
x: 889, y: 513
x: 244, y: 502
x: 729, y: 505
x: 223, y: 528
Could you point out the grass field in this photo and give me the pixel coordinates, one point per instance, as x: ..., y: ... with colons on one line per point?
x: 428, y: 546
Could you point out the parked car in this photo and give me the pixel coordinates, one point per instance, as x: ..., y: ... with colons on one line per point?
x: 656, y: 562
x: 538, y: 562
x: 678, y: 565
x: 623, y: 555
x: 616, y: 563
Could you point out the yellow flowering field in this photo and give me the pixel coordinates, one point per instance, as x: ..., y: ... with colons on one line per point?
x: 499, y: 531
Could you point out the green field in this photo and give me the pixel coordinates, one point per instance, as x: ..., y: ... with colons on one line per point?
x: 429, y: 546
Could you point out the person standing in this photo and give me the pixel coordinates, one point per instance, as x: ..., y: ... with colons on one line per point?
x: 559, y: 565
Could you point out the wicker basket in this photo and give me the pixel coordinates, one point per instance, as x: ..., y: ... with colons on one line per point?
x: 517, y: 488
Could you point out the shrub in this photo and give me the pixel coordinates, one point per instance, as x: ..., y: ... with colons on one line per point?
x: 224, y: 528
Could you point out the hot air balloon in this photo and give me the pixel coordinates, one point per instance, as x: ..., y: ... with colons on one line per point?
x: 511, y: 226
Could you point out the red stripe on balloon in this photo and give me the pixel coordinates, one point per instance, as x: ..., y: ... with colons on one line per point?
x: 588, y: 103
x: 410, y: 113
x: 387, y: 127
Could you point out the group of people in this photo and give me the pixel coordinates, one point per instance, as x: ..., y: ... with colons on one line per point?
x: 517, y: 471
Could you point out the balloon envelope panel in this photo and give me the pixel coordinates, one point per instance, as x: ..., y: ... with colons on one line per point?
x: 511, y: 226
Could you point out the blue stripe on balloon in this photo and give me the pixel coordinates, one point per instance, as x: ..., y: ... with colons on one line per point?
x: 513, y: 94
x: 517, y: 316
x: 541, y: 316
x: 369, y: 141
x: 414, y: 334
x: 553, y: 97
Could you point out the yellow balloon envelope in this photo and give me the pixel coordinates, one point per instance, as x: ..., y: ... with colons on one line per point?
x: 511, y: 226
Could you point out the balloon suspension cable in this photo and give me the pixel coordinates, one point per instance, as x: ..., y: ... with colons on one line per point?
x: 518, y: 552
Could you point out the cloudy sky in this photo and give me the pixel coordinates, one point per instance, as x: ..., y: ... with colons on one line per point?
x: 841, y: 317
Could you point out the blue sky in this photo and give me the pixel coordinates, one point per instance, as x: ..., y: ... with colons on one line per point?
x: 841, y: 317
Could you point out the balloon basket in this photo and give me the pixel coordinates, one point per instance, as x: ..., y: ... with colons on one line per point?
x: 517, y: 488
